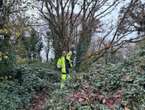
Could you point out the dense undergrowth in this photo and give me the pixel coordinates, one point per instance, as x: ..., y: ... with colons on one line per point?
x: 26, y: 83
x: 118, y: 86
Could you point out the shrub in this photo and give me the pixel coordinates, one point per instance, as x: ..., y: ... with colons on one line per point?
x: 28, y: 80
x: 105, y: 87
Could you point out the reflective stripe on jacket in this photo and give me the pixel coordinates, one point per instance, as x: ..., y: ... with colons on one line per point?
x: 65, y: 62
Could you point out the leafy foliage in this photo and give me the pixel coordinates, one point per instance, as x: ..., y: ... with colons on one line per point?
x: 18, y: 93
x: 32, y: 45
x: 105, y: 87
x: 7, y: 57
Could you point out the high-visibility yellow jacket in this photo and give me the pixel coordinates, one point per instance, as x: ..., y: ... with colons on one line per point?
x: 61, y: 63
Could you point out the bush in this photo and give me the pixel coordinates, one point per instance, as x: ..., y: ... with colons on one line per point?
x: 7, y: 56
x: 28, y: 80
x: 105, y: 87
x: 9, y: 97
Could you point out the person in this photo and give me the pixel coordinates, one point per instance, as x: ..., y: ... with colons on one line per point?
x: 64, y: 63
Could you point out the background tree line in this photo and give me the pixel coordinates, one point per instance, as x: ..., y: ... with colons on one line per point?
x: 71, y: 23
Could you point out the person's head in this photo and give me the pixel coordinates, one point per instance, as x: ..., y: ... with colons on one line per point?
x: 63, y: 53
x: 72, y: 47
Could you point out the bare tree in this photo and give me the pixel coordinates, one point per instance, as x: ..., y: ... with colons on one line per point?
x: 12, y: 17
x: 14, y: 24
x: 130, y: 21
x: 72, y: 21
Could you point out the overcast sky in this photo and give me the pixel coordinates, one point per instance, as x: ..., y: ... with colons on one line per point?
x: 107, y: 20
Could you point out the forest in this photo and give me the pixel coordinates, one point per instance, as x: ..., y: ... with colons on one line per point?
x: 72, y: 55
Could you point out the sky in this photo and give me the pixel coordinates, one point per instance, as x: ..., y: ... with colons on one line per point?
x: 106, y: 20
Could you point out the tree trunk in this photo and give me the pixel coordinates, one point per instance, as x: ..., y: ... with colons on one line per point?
x: 82, y: 48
